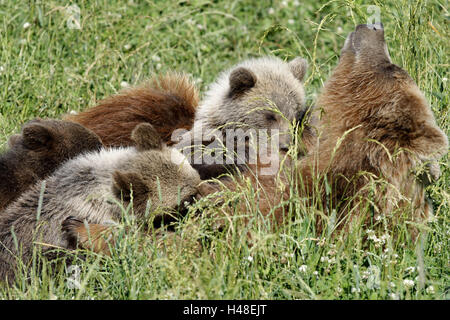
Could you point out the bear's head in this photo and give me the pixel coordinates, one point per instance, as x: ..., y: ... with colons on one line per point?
x: 367, y: 90
x: 44, y: 144
x: 263, y: 93
x: 159, y: 176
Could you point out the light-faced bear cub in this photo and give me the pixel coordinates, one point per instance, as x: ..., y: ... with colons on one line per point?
x: 37, y: 151
x: 376, y: 128
x: 264, y: 95
x: 90, y: 187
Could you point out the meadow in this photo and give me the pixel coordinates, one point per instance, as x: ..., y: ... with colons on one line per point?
x: 54, y: 61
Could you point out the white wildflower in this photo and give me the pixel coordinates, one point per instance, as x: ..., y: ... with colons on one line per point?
x: 200, y: 27
x: 394, y: 296
x: 158, y: 66
x: 296, y: 3
x: 444, y: 79
x: 284, y: 3
x: 303, y: 268
x: 26, y: 25
x: 291, y: 21
x: 124, y: 84
x: 250, y: 258
x: 156, y: 58
x: 356, y: 290
x: 408, y: 283
x: 73, y: 112
x: 430, y: 290
x: 271, y: 11
x: 127, y: 46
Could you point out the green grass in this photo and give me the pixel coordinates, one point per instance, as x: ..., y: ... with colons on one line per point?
x: 47, y: 70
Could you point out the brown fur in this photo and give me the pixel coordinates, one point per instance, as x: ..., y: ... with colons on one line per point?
x: 35, y: 153
x: 263, y: 203
x: 168, y: 102
x: 376, y: 128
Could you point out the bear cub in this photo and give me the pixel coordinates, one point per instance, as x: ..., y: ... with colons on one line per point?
x: 37, y: 151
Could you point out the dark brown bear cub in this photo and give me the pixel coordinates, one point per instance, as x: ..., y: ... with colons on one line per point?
x: 35, y: 153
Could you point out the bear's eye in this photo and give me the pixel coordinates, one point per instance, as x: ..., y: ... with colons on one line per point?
x: 270, y: 117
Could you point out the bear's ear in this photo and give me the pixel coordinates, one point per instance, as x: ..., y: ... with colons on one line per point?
x: 36, y: 136
x: 126, y: 182
x: 241, y: 80
x: 146, y: 137
x: 298, y: 67
x: 13, y: 140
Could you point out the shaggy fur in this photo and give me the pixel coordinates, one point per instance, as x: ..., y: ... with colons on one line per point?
x: 256, y: 93
x: 263, y: 93
x: 376, y: 128
x: 88, y: 188
x: 168, y: 102
x: 37, y: 151
x: 269, y: 190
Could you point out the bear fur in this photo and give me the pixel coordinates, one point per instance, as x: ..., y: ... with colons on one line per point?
x: 269, y: 190
x: 89, y: 188
x: 262, y: 93
x: 257, y: 94
x: 37, y: 151
x: 168, y: 102
x: 376, y: 128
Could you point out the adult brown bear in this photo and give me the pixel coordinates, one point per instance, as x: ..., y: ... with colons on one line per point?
x: 376, y: 129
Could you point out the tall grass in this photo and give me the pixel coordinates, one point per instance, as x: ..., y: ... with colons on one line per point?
x: 47, y: 69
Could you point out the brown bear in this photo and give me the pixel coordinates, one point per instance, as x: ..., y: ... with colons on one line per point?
x: 90, y: 187
x: 260, y: 96
x: 168, y: 102
x: 376, y: 128
x: 37, y: 151
x: 269, y: 191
